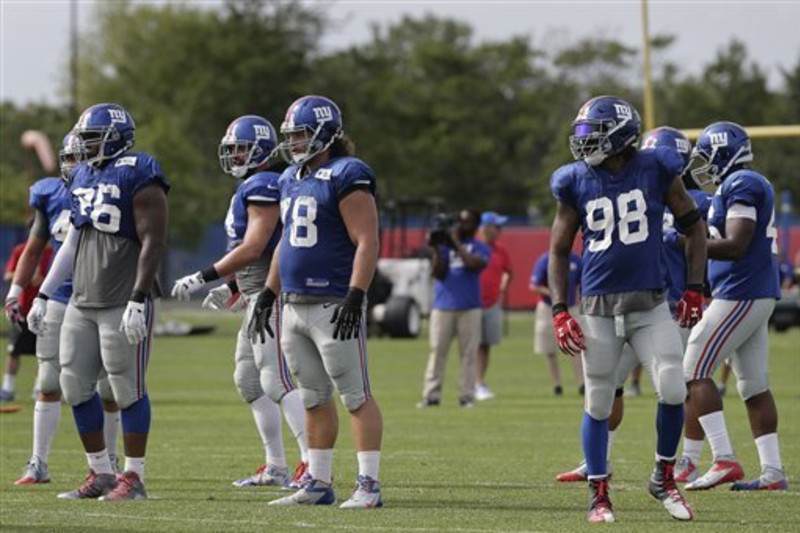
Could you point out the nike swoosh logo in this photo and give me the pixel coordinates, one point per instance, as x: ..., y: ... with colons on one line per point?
x: 327, y: 305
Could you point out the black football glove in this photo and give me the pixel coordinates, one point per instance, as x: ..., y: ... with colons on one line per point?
x: 262, y: 311
x: 348, y: 314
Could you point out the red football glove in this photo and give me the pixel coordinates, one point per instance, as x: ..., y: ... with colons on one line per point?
x: 14, y: 312
x: 568, y: 334
x: 690, y: 308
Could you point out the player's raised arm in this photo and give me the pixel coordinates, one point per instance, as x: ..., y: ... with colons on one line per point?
x: 690, y: 220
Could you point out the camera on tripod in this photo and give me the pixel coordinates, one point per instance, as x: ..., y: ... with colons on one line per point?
x: 443, y: 225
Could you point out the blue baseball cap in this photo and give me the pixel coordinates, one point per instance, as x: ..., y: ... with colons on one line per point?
x: 490, y: 218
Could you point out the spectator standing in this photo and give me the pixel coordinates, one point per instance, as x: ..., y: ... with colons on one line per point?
x: 458, y: 259
x: 495, y: 279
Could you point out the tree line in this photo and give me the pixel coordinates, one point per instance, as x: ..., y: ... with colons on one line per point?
x: 432, y: 109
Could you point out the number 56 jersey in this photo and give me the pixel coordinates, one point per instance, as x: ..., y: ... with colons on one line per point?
x: 316, y: 252
x: 102, y: 209
x: 621, y: 218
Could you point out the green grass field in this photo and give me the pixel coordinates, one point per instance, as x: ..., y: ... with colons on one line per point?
x: 490, y: 468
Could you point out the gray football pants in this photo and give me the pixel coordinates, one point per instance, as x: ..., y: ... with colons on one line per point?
x: 261, y: 367
x: 91, y: 343
x: 47, y: 355
x: 319, y: 361
x: 648, y: 332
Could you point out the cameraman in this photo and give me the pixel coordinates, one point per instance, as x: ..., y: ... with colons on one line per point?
x: 458, y: 259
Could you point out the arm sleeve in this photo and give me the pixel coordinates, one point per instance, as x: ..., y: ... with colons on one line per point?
x: 149, y: 173
x: 61, y: 269
x: 741, y: 190
x: 672, y: 164
x: 261, y: 191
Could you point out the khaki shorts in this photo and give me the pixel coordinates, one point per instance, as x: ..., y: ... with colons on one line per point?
x: 544, y: 337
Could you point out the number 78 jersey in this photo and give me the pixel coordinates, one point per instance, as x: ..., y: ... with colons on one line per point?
x: 621, y: 218
x: 316, y: 252
x: 745, y: 194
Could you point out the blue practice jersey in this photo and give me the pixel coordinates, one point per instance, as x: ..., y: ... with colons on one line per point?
x: 316, y: 256
x: 539, y: 277
x: 261, y: 187
x: 674, y: 255
x: 755, y: 275
x: 51, y: 197
x: 621, y: 218
x: 461, y: 288
x: 103, y: 197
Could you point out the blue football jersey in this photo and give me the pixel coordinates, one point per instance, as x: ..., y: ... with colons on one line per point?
x: 675, y: 256
x: 621, y: 219
x: 755, y: 275
x: 316, y: 256
x: 103, y: 197
x: 51, y: 197
x: 260, y: 187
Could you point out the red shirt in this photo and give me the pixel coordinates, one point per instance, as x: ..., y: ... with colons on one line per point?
x: 492, y: 275
x: 29, y: 291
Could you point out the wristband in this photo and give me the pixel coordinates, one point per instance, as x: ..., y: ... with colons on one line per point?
x: 43, y: 296
x: 138, y: 297
x: 15, y: 290
x: 696, y: 287
x: 232, y: 285
x: 559, y: 308
x: 688, y: 219
x: 209, y: 274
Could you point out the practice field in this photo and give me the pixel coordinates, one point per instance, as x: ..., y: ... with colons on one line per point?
x: 490, y: 468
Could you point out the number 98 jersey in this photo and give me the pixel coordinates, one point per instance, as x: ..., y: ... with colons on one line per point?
x: 51, y: 197
x: 316, y: 253
x: 621, y: 218
x: 754, y: 275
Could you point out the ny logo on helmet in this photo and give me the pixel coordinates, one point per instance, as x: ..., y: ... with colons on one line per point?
x: 262, y: 132
x: 323, y: 113
x: 117, y: 115
x: 623, y: 111
x: 683, y: 146
x: 719, y: 139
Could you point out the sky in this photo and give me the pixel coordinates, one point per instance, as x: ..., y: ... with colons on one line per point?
x: 34, y: 34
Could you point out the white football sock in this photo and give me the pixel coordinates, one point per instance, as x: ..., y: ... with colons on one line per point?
x: 99, y: 463
x: 611, y: 435
x: 135, y: 464
x: 692, y: 449
x: 369, y: 463
x: 267, y: 416
x: 111, y: 430
x: 295, y: 415
x: 320, y: 464
x: 46, y: 416
x: 769, y: 454
x: 717, y: 434
x: 8, y: 382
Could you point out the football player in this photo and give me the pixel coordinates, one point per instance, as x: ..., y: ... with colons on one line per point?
x: 253, y: 226
x: 675, y: 257
x: 113, y: 248
x: 50, y: 200
x: 616, y: 195
x: 743, y: 273
x: 324, y: 265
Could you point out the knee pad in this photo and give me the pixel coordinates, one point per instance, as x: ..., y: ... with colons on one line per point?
x: 671, y: 385
x: 352, y: 401
x: 313, y: 398
x: 247, y: 383
x: 599, y: 401
x: 47, y: 380
x: 751, y: 387
x: 105, y: 390
x: 74, y: 389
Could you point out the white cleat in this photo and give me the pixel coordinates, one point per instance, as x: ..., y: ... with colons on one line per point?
x: 483, y: 393
x: 722, y: 471
x: 366, y: 495
x: 313, y: 492
x: 266, y: 476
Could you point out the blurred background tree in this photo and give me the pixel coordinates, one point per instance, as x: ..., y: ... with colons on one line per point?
x: 434, y: 111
